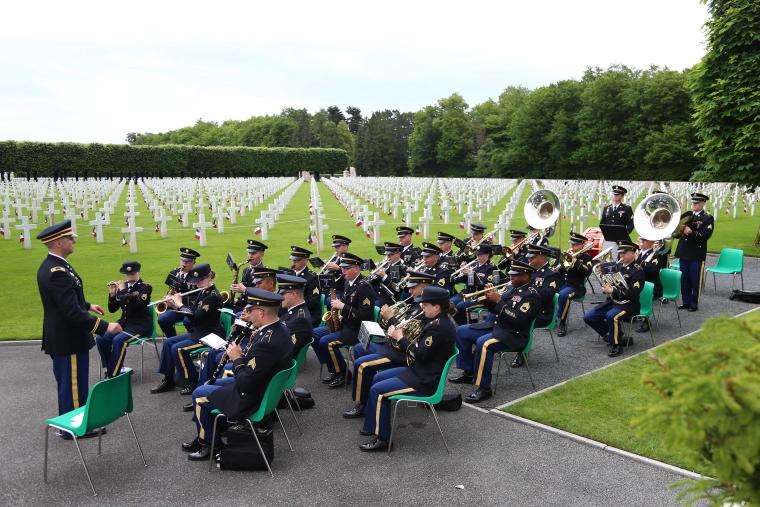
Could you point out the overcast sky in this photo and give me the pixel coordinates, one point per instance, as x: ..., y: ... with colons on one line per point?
x: 93, y: 71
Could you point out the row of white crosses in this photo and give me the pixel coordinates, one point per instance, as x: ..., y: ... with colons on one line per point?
x: 316, y: 216
x: 269, y: 216
x: 504, y: 220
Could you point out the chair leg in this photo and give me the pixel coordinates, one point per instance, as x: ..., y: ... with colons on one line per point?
x: 142, y: 360
x: 393, y: 427
x: 650, y: 331
x: 129, y: 420
x: 741, y: 277
x: 213, y: 439
x: 100, y: 439
x: 261, y: 450
x: 715, y: 284
x: 551, y: 335
x: 678, y: 315
x: 87, y: 472
x: 432, y: 409
x: 277, y: 413
x: 292, y: 412
x: 44, y: 463
x: 155, y: 346
x: 527, y: 367
x: 298, y: 405
x: 497, y: 356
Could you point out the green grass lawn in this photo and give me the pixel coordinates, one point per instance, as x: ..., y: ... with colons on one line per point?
x: 601, y: 405
x: 99, y: 263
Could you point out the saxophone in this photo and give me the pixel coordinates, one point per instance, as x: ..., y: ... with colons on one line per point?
x: 332, y: 316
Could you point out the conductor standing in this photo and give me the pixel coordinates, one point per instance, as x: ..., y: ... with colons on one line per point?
x: 67, y: 326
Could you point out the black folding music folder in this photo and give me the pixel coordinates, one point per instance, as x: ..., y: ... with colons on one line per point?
x: 614, y: 233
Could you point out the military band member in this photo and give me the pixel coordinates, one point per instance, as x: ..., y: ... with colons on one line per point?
x: 538, y: 237
x: 355, y: 306
x: 255, y: 250
x: 651, y: 261
x: 239, y: 396
x: 448, y: 260
x: 132, y: 297
x: 617, y: 213
x: 692, y: 251
x: 381, y: 356
x: 515, y: 309
x: 574, y: 285
x: 341, y: 245
x: 546, y: 280
x: 516, y: 236
x: 476, y: 235
x: 387, y: 292
x: 294, y: 312
x: 621, y: 302
x: 435, y: 264
x: 67, y: 325
x: 426, y: 358
x: 410, y: 254
x: 474, y: 278
x: 176, y: 364
x: 167, y: 320
x: 299, y: 258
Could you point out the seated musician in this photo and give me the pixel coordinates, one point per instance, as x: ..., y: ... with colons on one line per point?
x: 355, y: 306
x: 132, y: 297
x: 299, y: 258
x: 434, y: 264
x: 387, y: 291
x: 448, y: 260
x: 410, y: 254
x: 516, y: 237
x: 294, y: 312
x: 575, y: 280
x: 239, y: 396
x: 516, y: 309
x: 426, y: 358
x: 381, y: 356
x: 474, y: 278
x: 340, y: 244
x: 176, y: 364
x: 651, y: 260
x: 167, y: 320
x: 622, y: 299
x: 255, y: 250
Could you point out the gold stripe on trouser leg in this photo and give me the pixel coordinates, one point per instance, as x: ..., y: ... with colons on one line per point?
x: 616, y: 326
x: 331, y: 349
x: 701, y: 280
x: 117, y: 366
x: 360, y: 372
x: 380, y: 400
x: 567, y: 306
x: 182, y: 359
x: 482, y: 363
x: 198, y: 401
x: 74, y: 382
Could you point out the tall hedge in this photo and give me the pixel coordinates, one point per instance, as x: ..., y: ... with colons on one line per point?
x: 72, y: 159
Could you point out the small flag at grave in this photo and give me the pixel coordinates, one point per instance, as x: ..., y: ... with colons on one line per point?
x: 126, y: 221
x: 310, y: 239
x: 21, y: 238
x: 81, y: 214
x: 257, y: 230
x: 157, y: 228
x: 417, y: 231
x: 461, y: 225
x: 359, y: 223
x: 370, y: 231
x: 197, y: 234
x: 123, y: 239
x: 2, y: 232
x: 179, y: 219
x: 227, y: 217
x: 213, y: 223
x: 94, y: 232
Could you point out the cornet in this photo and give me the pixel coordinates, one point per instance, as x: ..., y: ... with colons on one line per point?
x: 481, y: 294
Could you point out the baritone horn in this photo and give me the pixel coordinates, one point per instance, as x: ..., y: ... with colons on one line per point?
x: 656, y: 219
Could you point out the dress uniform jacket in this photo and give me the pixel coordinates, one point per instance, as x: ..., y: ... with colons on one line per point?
x: 312, y: 295
x: 183, y: 286
x: 298, y: 321
x: 246, y: 278
x: 652, y: 269
x: 694, y: 246
x: 634, y: 278
x: 410, y: 255
x: 390, y: 293
x: 205, y: 315
x: 359, y: 306
x: 392, y: 350
x: 133, y: 301
x: 448, y: 261
x: 547, y: 282
x: 428, y: 355
x: 442, y: 272
x: 271, y: 352
x: 620, y: 215
x: 577, y: 273
x: 515, y: 312
x: 67, y: 325
x: 482, y: 274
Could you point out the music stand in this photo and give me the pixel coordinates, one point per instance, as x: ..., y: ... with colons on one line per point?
x: 615, y: 233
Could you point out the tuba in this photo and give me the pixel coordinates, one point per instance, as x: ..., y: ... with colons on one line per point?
x: 542, y: 209
x: 657, y: 218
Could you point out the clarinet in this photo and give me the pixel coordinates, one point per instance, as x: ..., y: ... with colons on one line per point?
x: 235, y: 337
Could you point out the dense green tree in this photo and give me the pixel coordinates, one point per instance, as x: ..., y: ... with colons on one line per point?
x: 355, y: 119
x: 454, y: 150
x: 423, y: 142
x: 383, y: 143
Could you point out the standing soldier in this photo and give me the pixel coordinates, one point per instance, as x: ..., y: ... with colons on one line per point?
x: 410, y: 254
x: 67, y: 326
x: 617, y: 213
x: 692, y: 251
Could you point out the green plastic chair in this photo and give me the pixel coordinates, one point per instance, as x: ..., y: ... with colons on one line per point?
x: 299, y: 360
x: 579, y: 299
x: 376, y: 314
x: 646, y: 304
x: 730, y: 262
x: 107, y: 401
x: 502, y: 356
x: 550, y: 327
x: 676, y: 264
x: 142, y: 340
x: 268, y: 405
x: 671, y: 289
x: 430, y: 401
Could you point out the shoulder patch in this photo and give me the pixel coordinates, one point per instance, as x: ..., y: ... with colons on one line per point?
x: 293, y: 338
x: 525, y: 307
x: 57, y: 269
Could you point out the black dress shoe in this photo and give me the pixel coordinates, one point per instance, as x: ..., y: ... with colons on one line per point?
x: 188, y: 407
x: 192, y: 446
x: 331, y: 378
x: 365, y: 433
x: 465, y: 378
x: 354, y: 413
x: 615, y: 351
x: 339, y: 382
x: 163, y: 386
x: 518, y: 360
x: 202, y: 454
x: 692, y: 309
x: 642, y: 328
x: 374, y: 445
x: 683, y: 307
x: 479, y: 395
x: 562, y: 329
x: 188, y: 389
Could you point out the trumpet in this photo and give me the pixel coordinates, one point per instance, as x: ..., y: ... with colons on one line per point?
x: 481, y: 294
x: 469, y: 248
x: 374, y: 274
x: 161, y: 306
x: 114, y: 282
x: 567, y: 258
x: 323, y: 268
x: 470, y: 264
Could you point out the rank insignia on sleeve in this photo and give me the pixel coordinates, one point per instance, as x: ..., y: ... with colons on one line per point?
x: 428, y: 341
x: 525, y: 307
x: 252, y: 363
x: 637, y: 285
x: 654, y: 261
x: 204, y: 308
x: 366, y: 301
x: 709, y: 226
x: 553, y: 285
x: 316, y: 290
